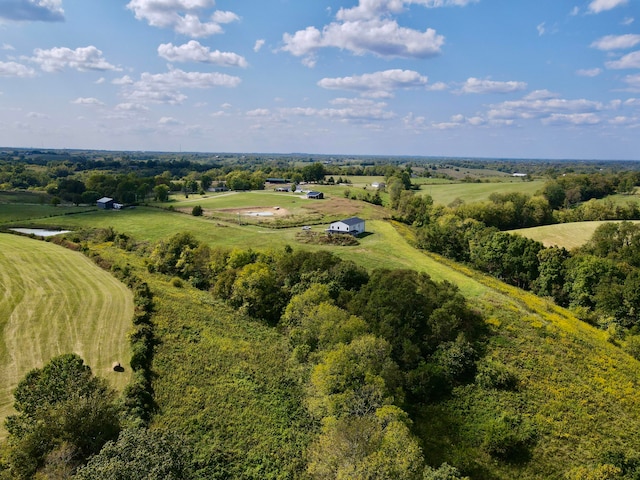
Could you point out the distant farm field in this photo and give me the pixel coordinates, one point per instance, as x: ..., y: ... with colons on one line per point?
x: 567, y: 235
x: 444, y: 194
x: 57, y: 301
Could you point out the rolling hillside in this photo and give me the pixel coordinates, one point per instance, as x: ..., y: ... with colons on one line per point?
x: 56, y: 301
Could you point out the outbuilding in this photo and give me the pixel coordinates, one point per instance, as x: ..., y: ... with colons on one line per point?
x: 353, y: 225
x: 105, y: 203
x: 315, y: 195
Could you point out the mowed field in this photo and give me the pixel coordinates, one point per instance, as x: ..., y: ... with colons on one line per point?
x: 54, y: 301
x: 567, y: 235
x: 444, y: 194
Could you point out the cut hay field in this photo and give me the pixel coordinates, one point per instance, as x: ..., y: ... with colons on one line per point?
x: 444, y: 194
x: 567, y: 235
x: 57, y: 301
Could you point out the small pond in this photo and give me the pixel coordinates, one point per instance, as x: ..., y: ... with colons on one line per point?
x: 39, y: 232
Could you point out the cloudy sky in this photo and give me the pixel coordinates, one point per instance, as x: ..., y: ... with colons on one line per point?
x: 480, y: 78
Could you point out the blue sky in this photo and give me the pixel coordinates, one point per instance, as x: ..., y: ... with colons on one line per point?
x: 478, y: 78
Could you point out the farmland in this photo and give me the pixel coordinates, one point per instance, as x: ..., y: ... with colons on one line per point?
x: 56, y: 301
x: 567, y: 235
x: 227, y: 370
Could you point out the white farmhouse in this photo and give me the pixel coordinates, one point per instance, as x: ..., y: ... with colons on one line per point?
x: 353, y: 225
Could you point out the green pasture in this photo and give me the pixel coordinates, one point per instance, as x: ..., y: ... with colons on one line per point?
x: 57, y: 301
x: 16, y: 212
x: 444, y: 194
x: 567, y: 235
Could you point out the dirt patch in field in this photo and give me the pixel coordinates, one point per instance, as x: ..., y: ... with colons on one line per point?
x: 256, y: 211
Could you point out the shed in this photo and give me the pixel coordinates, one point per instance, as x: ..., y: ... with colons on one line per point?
x: 105, y: 203
x: 353, y: 225
x: 315, y: 195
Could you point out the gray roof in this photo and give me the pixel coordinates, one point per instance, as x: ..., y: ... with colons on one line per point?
x: 105, y: 200
x: 352, y: 221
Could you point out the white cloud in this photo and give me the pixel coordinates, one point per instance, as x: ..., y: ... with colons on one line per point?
x: 381, y: 37
x: 572, y: 119
x: 353, y: 110
x: 32, y: 10
x: 38, y: 116
x: 170, y: 121
x: 258, y: 112
x: 82, y: 59
x: 376, y: 84
x: 165, y: 87
x: 6, y: 46
x: 475, y: 85
x: 131, y: 107
x: 126, y: 80
x: 616, y: 42
x: 87, y: 101
x: 183, y: 16
x: 193, y: 51
x: 543, y: 104
x: 13, y: 69
x: 627, y: 21
x: 574, y: 11
x: 589, y: 72
x: 631, y: 60
x: 368, y: 9
x: 258, y: 45
x: 541, y: 29
x: 598, y: 6
x: 100, y: 81
x: 633, y: 81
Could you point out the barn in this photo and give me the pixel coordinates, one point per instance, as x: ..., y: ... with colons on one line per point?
x: 315, y: 195
x: 105, y: 203
x: 353, y: 225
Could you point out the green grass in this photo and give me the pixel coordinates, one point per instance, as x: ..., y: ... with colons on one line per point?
x: 567, y: 235
x: 444, y: 194
x: 226, y: 381
x: 21, y: 212
x: 57, y: 301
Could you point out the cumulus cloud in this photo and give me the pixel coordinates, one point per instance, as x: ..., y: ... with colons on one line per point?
x: 381, y: 37
x: 259, y: 112
x: 633, y: 82
x: 616, y: 42
x: 369, y: 28
x: 475, y: 85
x: 258, y: 45
x: 351, y: 110
x: 170, y: 121
x: 87, y: 101
x: 543, y: 104
x: 195, y: 52
x: 32, y: 10
x: 572, y: 119
x: 598, y: 6
x: 589, y: 72
x: 183, y: 16
x: 368, y: 9
x: 131, y: 107
x: 13, y: 69
x: 82, y: 59
x: 631, y: 60
x: 376, y: 84
x: 166, y: 87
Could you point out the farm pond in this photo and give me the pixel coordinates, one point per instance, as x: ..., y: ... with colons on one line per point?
x: 40, y: 232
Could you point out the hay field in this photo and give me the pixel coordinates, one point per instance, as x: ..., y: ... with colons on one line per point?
x: 567, y: 235
x: 477, y: 192
x: 55, y: 301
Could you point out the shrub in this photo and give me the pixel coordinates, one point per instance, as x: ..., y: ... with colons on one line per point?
x: 509, y: 438
x: 176, y: 282
x: 197, y: 211
x: 495, y: 375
